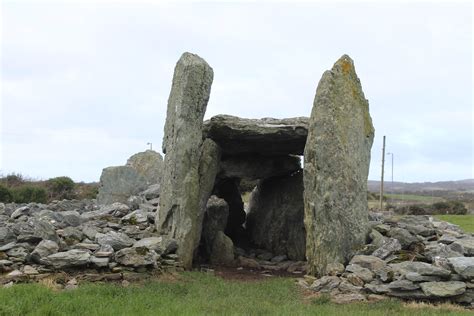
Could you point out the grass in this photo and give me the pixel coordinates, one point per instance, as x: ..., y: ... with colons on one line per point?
x: 414, y: 198
x: 466, y: 222
x: 193, y: 294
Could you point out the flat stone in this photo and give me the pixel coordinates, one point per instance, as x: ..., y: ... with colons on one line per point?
x: 464, y: 266
x: 152, y: 243
x: 389, y: 247
x: 403, y: 285
x: 467, y: 244
x: 369, y: 262
x: 136, y: 257
x: 68, y: 259
x: 44, y: 249
x: 254, y: 166
x: 363, y: 273
x: 421, y: 268
x: 266, y: 136
x: 443, y: 289
x: 348, y: 298
x: 116, y: 240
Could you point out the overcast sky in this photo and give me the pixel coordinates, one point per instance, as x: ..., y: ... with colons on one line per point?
x: 85, y: 86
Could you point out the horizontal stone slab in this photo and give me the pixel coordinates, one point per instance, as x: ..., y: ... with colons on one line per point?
x: 266, y: 136
x: 253, y: 167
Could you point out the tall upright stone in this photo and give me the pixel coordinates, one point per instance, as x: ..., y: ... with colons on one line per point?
x: 336, y: 166
x: 188, y: 165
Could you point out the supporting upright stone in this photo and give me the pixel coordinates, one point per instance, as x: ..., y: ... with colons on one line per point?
x: 336, y: 165
x: 184, y: 193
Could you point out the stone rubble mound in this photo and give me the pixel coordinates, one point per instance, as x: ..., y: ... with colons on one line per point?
x: 37, y: 239
x: 410, y: 257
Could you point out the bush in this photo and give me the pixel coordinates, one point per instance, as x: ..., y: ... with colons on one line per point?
x: 5, y: 194
x: 60, y: 188
x: 29, y: 193
x: 439, y: 208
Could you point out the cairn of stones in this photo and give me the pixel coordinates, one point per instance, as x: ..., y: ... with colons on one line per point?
x: 185, y: 210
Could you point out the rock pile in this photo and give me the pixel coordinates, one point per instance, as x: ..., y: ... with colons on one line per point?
x: 65, y: 235
x: 411, y: 257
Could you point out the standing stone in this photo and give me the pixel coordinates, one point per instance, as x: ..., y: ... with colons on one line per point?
x: 336, y: 166
x: 187, y: 162
x: 215, y: 220
x: 275, y: 216
x: 148, y: 164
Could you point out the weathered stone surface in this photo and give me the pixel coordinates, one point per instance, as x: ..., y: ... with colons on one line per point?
x: 215, y: 220
x: 363, y: 273
x: 467, y: 244
x: 389, y: 247
x: 6, y: 236
x: 443, y: 289
x: 253, y: 166
x: 189, y: 164
x: 222, y: 249
x: 228, y: 189
x: 368, y: 262
x: 405, y: 238
x: 136, y: 257
x: 152, y: 243
x: 267, y: 136
x: 117, y: 184
x: 275, y: 216
x: 68, y: 259
x: 115, y: 240
x: 148, y: 164
x: 463, y: 266
x: 421, y: 268
x: 336, y: 166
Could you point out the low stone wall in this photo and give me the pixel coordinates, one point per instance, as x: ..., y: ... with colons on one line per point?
x: 411, y: 257
x: 82, y: 236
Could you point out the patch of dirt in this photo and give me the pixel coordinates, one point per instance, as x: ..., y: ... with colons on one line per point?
x: 245, y: 274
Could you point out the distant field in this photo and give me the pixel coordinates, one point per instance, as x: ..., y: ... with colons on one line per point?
x: 195, y: 293
x: 466, y: 222
x: 414, y: 198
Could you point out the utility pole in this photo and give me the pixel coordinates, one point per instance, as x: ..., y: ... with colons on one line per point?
x: 381, y: 182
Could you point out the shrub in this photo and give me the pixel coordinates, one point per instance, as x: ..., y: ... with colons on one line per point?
x: 60, y: 188
x: 29, y: 193
x: 449, y: 207
x: 5, y: 194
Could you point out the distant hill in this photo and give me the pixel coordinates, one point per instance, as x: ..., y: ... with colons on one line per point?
x: 399, y: 187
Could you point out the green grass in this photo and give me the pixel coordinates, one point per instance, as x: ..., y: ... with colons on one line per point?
x: 414, y: 198
x: 466, y: 222
x: 194, y: 294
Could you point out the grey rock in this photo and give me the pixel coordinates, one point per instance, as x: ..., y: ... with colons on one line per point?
x: 467, y: 244
x: 24, y: 210
x: 152, y: 192
x: 377, y: 239
x: 403, y: 285
x: 336, y: 166
x: 20, y: 253
x: 275, y: 216
x: 8, y: 246
x: 215, y: 220
x: 90, y: 231
x: 152, y: 243
x: 68, y: 259
x: 391, y: 246
x: 443, y: 289
x: 325, y: 284
x: 267, y: 136
x: 72, y: 235
x: 136, y: 217
x: 114, y: 239
x: 71, y: 218
x: 136, y: 257
x: 416, y: 277
x: 347, y: 298
x: 99, y: 262
x: 254, y: 166
x: 44, y: 249
x: 369, y: 262
x: 148, y: 164
x: 464, y: 266
x: 405, y: 238
x: 190, y: 164
x: 6, y: 235
x: 421, y: 268
x: 364, y: 274
x: 435, y: 249
x: 228, y: 189
x: 117, y: 184
x: 86, y: 246
x: 222, y: 250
